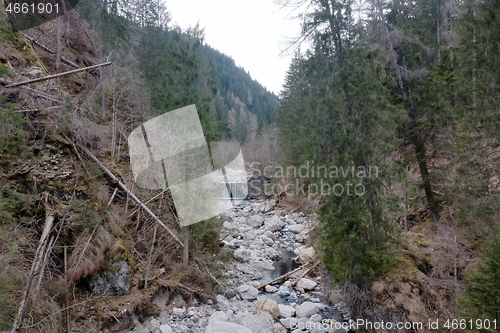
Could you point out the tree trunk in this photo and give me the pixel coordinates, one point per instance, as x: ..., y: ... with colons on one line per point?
x: 185, y: 260
x: 36, y: 267
x: 420, y: 153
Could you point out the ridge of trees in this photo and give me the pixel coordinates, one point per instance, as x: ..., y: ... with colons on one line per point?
x: 179, y: 68
x: 392, y: 85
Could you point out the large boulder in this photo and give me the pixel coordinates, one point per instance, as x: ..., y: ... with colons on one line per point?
x: 115, y: 277
x: 226, y: 327
x: 305, y: 254
x: 297, y: 228
x: 286, y: 311
x: 306, y: 284
x: 256, y: 221
x: 267, y: 305
x: 248, y: 292
x: 273, y: 223
x: 261, y: 322
x: 222, y: 303
x: 243, y: 255
x: 306, y: 310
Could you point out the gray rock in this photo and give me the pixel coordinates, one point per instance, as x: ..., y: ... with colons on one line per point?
x: 154, y: 323
x: 286, y: 311
x: 265, y: 265
x: 165, y: 329
x: 316, y: 318
x: 268, y: 241
x: 273, y: 223
x: 284, y: 291
x: 306, y: 284
x: 288, y: 322
x: 226, y: 327
x: 267, y: 305
x: 178, y: 301
x: 305, y: 254
x: 261, y: 322
x: 243, y: 255
x: 178, y: 311
x: 249, y: 235
x: 278, y: 328
x: 248, y: 292
x: 271, y: 289
x: 306, y: 310
x: 114, y: 281
x: 222, y: 303
x: 256, y: 221
x: 297, y: 228
x: 270, y: 234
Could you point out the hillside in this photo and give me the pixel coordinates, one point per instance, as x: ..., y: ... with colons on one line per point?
x: 70, y: 234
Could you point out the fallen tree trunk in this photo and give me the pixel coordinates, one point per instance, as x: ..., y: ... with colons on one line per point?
x: 34, y: 41
x: 304, y: 274
x: 283, y: 276
x: 38, y: 110
x: 36, y: 267
x: 132, y: 195
x: 22, y: 83
x: 7, y: 84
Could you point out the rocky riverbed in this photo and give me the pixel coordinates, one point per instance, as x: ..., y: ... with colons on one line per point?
x: 267, y: 243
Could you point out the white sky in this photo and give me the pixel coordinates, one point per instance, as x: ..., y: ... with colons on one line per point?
x: 252, y: 32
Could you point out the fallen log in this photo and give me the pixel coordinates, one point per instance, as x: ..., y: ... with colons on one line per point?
x: 132, y: 195
x: 38, y: 109
x: 283, y: 276
x: 304, y: 274
x: 39, y: 44
x: 22, y: 83
x: 36, y: 267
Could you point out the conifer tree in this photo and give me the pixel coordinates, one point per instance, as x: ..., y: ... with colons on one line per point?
x: 482, y: 296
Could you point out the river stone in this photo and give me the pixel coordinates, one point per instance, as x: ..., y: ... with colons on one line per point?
x: 268, y: 241
x: 226, y: 327
x: 248, y: 292
x: 261, y: 322
x: 316, y: 318
x: 165, y: 329
x: 256, y: 221
x: 278, y: 328
x: 249, y: 235
x: 305, y: 254
x: 271, y: 289
x: 288, y: 322
x: 297, y: 228
x: 222, y: 303
x: 243, y: 255
x: 267, y: 305
x: 178, y: 311
x: 306, y: 284
x: 273, y: 223
x: 306, y: 309
x: 286, y: 311
x: 266, y: 265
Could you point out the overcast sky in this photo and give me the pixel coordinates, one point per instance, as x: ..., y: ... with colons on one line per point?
x: 252, y: 32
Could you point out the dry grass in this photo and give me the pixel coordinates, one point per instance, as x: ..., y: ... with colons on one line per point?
x: 89, y: 252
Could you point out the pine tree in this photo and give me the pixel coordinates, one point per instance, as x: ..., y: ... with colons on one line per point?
x: 482, y: 296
